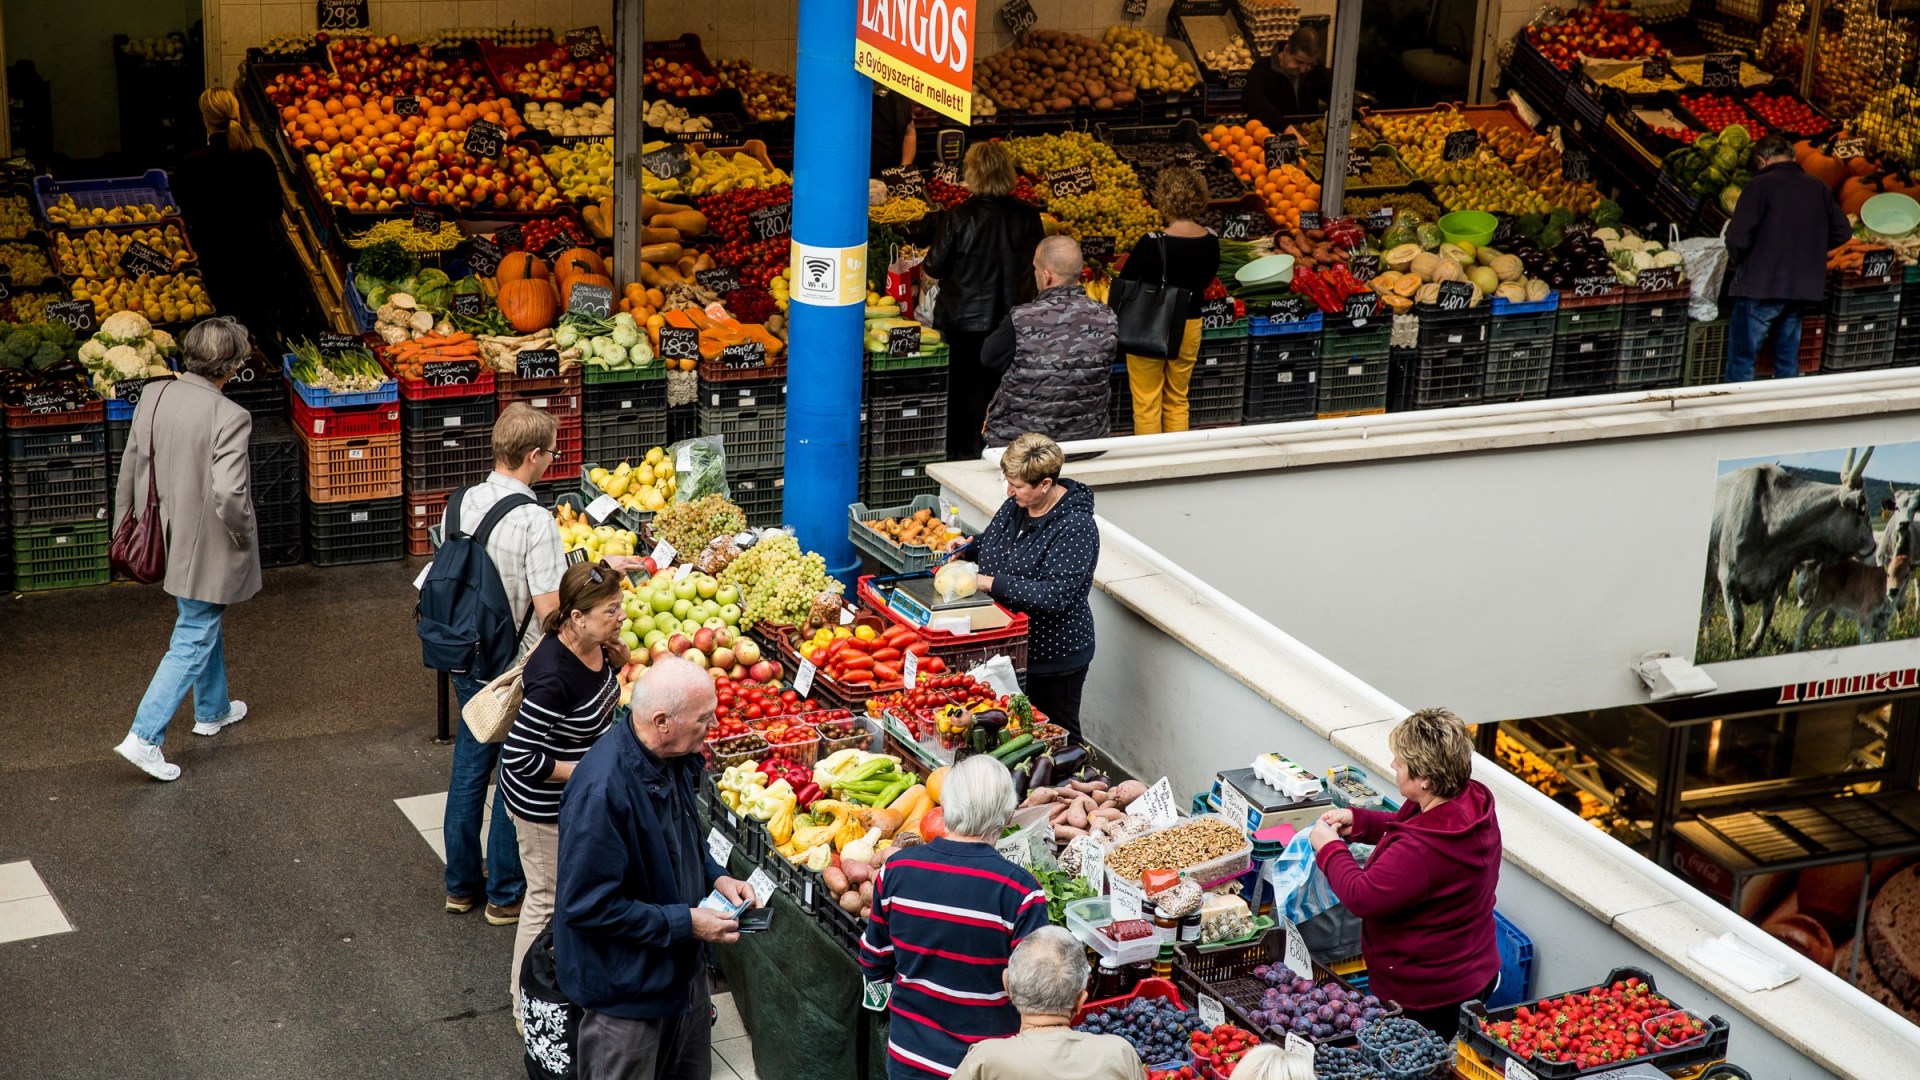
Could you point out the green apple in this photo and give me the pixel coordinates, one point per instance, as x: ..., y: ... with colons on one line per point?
x: 731, y: 613
x: 715, y: 624
x: 661, y: 599
x: 666, y: 623
x: 652, y: 636
x: 629, y: 639
x: 728, y: 594
x: 640, y: 624
x: 682, y: 609
x: 705, y: 585
x: 685, y: 589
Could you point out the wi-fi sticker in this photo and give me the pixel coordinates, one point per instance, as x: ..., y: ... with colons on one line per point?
x: 818, y: 271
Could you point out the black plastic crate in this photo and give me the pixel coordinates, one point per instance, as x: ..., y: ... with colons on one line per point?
x: 283, y: 505
x: 904, y: 383
x: 1860, y: 344
x: 743, y: 394
x: 1119, y: 402
x: 1495, y: 1054
x: 601, y: 399
x: 1454, y: 330
x: 27, y: 446
x: 1652, y: 359
x: 758, y: 495
x: 905, y: 419
x: 548, y: 491
x: 1516, y: 371
x: 896, y: 483
x: 1352, y: 385
x: 347, y: 533
x: 1445, y: 377
x: 283, y: 543
x: 1906, y: 340
x: 1864, y: 301
x: 258, y: 387
x: 59, y: 491
x: 1667, y: 314
x: 1351, y: 337
x: 1283, y: 383
x: 446, y: 459
x: 1584, y: 364
x: 442, y: 414
x: 1528, y: 329
x: 1217, y: 391
x: 754, y: 439
x: 625, y: 436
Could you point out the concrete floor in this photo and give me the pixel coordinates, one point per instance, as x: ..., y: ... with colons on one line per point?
x: 271, y: 913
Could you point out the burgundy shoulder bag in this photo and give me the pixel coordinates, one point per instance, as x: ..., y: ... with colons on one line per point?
x: 139, y: 547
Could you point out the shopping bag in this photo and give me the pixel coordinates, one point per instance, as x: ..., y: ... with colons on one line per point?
x: 1705, y: 258
x: 1300, y: 890
x: 902, y: 276
x: 553, y: 1023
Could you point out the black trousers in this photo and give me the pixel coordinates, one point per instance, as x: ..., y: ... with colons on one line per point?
x: 1058, y: 696
x: 970, y: 389
x: 1444, y: 1020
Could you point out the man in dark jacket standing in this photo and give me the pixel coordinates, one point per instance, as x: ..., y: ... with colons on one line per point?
x: 627, y: 925
x: 1782, y: 229
x: 1056, y: 355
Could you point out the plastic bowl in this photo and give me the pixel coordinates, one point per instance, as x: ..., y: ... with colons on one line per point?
x: 1472, y: 226
x: 1269, y: 269
x: 1891, y: 214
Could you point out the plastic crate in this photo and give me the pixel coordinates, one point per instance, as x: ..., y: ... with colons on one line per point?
x: 479, y: 384
x: 316, y: 398
x: 743, y: 393
x: 754, y: 439
x: 909, y: 422
x: 1352, y: 386
x: 961, y: 652
x: 59, y: 491
x: 1813, y: 348
x: 1584, y: 364
x: 444, y: 460
x: 603, y: 398
x: 555, y: 394
x: 348, y: 533
x: 900, y: 558
x: 117, y: 432
x: 92, y: 411
x: 1217, y: 390
x: 1652, y: 359
x: 1906, y: 341
x: 60, y: 556
x: 1706, y: 353
x: 1454, y: 330
x: 345, y: 423
x: 352, y: 470
x: 424, y: 509
x: 1119, y: 402
x: 622, y: 518
x: 1588, y: 315
x: 444, y: 414
x: 1226, y: 974
x: 623, y: 436
x: 929, y: 356
x: 1086, y: 917
x: 1445, y: 377
x: 1260, y: 326
x: 1516, y: 964
x: 1283, y: 378
x: 1474, y: 1014
x: 363, y: 315
x: 258, y: 387
x: 593, y: 375
x: 1864, y: 300
x: 890, y: 483
x: 151, y: 187
x: 1662, y: 313
x: 759, y: 495
x: 33, y: 445
x: 284, y: 545
x: 1860, y: 343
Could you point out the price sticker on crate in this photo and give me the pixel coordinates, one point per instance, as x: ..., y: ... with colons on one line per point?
x: 763, y: 886
x: 719, y: 846
x: 1212, y: 1013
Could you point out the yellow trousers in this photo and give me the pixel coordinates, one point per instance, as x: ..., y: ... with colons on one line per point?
x: 1160, y: 386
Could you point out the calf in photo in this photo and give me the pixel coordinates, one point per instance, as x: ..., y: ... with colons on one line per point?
x: 1860, y: 591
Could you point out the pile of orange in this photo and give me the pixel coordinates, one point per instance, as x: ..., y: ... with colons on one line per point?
x: 318, y: 126
x: 1286, y: 190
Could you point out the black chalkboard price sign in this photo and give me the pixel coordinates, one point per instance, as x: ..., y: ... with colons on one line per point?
x: 139, y: 258
x: 1364, y: 268
x: 406, y: 105
x: 668, y: 162
x: 584, y: 43
x: 448, y: 372
x: 1135, y: 9
x: 1380, y: 219
x: 469, y: 304
x: 903, y: 341
x: 1850, y: 147
x: 1455, y: 296
x: 720, y: 280
x: 1877, y: 263
x: 1594, y: 285
x: 1237, y: 225
x: 1282, y: 150
x: 129, y: 390
x: 332, y: 344
x: 946, y: 174
x: 679, y: 343
x: 1097, y: 248
x: 77, y: 314
x: 904, y: 182
x: 1656, y: 68
x: 1358, y: 165
x: 1460, y: 145
x: 1217, y: 314
x: 1289, y: 309
x: 1309, y: 220
x: 1721, y: 71
x: 746, y: 354
x: 587, y: 299
x: 341, y: 15
x: 1018, y: 16
x: 560, y: 244
x: 508, y: 237
x: 1360, y: 305
x: 772, y: 222
x: 483, y: 256
x: 6, y: 282
x: 538, y: 363
x: 485, y: 139
x: 1658, y: 279
x: 426, y: 219
x: 1576, y: 166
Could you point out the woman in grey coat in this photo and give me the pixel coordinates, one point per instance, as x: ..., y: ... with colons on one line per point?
x: 196, y: 440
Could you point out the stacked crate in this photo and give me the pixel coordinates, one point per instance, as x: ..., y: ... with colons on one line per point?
x: 1863, y: 322
x: 1217, y: 392
x: 1283, y: 369
x: 57, y: 499
x: 446, y: 443
x: 625, y: 414
x: 1520, y: 349
x: 1450, y: 359
x: 903, y: 425
x: 1355, y: 366
x: 1653, y: 340
x: 352, y: 467
x: 1586, y: 344
x: 1906, y: 342
x: 1119, y: 401
x: 1813, y: 347
x: 275, y: 455
x: 746, y: 407
x: 559, y: 396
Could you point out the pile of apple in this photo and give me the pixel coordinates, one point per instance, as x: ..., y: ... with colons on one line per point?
x: 1607, y: 30
x: 364, y: 157
x: 557, y: 74
x: 767, y: 95
x: 696, y: 618
x: 678, y: 78
x: 371, y: 66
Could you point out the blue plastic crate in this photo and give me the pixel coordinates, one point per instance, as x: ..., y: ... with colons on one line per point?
x: 357, y: 305
x: 327, y: 399
x: 1502, y: 306
x: 1516, y: 964
x: 1261, y: 326
x: 119, y: 191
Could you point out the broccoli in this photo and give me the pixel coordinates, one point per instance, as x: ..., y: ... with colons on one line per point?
x: 45, y: 356
x: 21, y: 343
x: 57, y: 332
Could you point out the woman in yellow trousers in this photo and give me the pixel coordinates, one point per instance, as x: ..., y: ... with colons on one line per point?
x: 1191, y: 257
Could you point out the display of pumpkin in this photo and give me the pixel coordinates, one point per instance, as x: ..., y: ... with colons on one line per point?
x: 521, y: 265
x: 528, y: 303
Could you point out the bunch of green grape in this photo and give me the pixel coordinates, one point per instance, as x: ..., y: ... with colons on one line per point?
x: 689, y: 526
x: 777, y: 581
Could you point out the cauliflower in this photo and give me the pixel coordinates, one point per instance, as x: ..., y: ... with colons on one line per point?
x: 94, y: 354
x: 126, y: 361
x: 1668, y: 258
x: 125, y: 326
x: 163, y: 341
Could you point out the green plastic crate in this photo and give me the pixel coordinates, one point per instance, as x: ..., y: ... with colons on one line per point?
x: 60, y: 556
x: 929, y: 356
x: 1706, y: 353
x: 596, y: 376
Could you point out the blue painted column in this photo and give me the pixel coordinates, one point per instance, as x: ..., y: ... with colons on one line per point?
x: 833, y: 117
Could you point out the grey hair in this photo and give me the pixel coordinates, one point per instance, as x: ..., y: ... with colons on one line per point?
x: 215, y: 348
x: 670, y: 687
x: 1061, y: 255
x: 1046, y: 973
x: 1270, y: 1062
x: 978, y: 798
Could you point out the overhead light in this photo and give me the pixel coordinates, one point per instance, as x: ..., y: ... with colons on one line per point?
x: 1668, y: 676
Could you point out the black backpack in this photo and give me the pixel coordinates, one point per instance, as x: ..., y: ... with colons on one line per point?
x: 464, y: 624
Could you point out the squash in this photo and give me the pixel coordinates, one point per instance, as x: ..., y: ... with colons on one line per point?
x: 521, y: 265
x: 933, y: 824
x: 651, y: 235
x: 1823, y: 167
x: 574, y: 262
x: 566, y: 291
x: 528, y: 304
x: 1855, y: 193
x: 660, y: 253
x: 688, y: 223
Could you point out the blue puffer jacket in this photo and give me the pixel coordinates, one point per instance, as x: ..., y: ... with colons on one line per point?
x: 1044, y: 567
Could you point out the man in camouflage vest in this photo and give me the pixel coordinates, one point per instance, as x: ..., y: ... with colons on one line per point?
x: 1057, y: 354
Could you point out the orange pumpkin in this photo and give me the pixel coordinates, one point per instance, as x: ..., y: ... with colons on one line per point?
x: 528, y: 304
x: 583, y: 279
x: 1855, y: 193
x: 1829, y: 170
x: 585, y: 258
x: 520, y: 266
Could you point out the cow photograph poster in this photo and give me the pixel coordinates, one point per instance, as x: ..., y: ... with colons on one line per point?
x: 1812, y: 551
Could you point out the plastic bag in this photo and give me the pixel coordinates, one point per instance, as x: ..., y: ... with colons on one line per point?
x: 997, y: 672
x: 956, y: 580
x: 929, y: 294
x: 1300, y: 890
x: 699, y: 468
x: 1706, y: 261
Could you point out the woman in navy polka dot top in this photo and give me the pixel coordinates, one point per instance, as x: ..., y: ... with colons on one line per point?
x: 1037, y: 556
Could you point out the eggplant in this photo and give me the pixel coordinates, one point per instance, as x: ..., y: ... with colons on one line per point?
x: 1066, y: 761
x: 991, y: 719
x: 1043, y: 769
x: 1022, y: 779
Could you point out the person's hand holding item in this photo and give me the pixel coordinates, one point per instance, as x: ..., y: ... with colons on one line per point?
x: 735, y: 890
x: 712, y: 926
x: 1341, y: 819
x: 1323, y: 833
x: 625, y: 564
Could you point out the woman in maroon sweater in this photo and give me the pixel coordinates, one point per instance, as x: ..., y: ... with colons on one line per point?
x: 1425, y: 898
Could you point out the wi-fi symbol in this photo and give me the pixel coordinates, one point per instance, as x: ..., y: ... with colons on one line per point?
x: 817, y: 271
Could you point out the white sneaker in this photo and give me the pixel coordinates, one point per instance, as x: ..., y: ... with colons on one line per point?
x: 146, y: 758
x: 236, y: 712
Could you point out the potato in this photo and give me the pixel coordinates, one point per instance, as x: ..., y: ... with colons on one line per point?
x: 1129, y: 790
x: 835, y: 880
x: 850, y: 902
x: 857, y: 871
x: 866, y: 892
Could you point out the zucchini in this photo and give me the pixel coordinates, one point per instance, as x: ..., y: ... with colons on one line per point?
x: 1032, y: 749
x: 1012, y: 746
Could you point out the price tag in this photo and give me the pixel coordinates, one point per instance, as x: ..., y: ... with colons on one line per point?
x: 6, y: 282
x: 874, y: 996
x: 342, y: 15
x: 1097, y: 248
x: 332, y: 344
x: 584, y: 43
x: 448, y: 373
x: 1289, y: 309
x: 1212, y: 1013
x: 1237, y: 225
x: 1721, y: 71
x: 1309, y: 220
x: 129, y: 390
x: 1156, y: 805
x: 1216, y: 314
x: 1657, y: 279
x: 903, y: 341
x: 538, y: 363
x: 663, y: 553
x: 139, y: 259
x: 744, y: 354
x: 1298, y: 1046
x: 1576, y: 166
x: 1015, y: 849
x: 668, y: 162
x: 806, y: 892
x: 1282, y: 150
x: 946, y: 174
x: 1123, y: 902
x: 588, y: 299
x: 1877, y: 263
x: 910, y: 669
x: 1093, y: 863
x: 509, y: 237
x: 683, y: 571
x: 772, y: 222
x: 718, y: 845
x: 1364, y: 268
x: 679, y: 343
x: 602, y: 508
x: 555, y: 247
x: 470, y: 304
x: 406, y: 105
x: 720, y: 280
x: 1299, y: 960
x: 1517, y: 1071
x: 904, y: 182
x: 1135, y: 9
x: 1234, y: 806
x: 1077, y: 180
x: 483, y: 257
x: 1359, y: 165
x: 1460, y: 145
x: 803, y: 679
x: 485, y: 139
x: 1018, y: 16
x: 1503, y: 231
x: 1849, y: 148
x: 1656, y: 68
x: 426, y: 219
x: 1455, y: 295
x: 1380, y: 219
x: 1594, y: 285
x: 763, y: 886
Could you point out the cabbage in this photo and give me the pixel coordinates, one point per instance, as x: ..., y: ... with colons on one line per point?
x: 1735, y: 136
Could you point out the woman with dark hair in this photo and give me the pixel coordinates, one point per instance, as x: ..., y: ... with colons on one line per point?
x: 1293, y: 81
x: 230, y: 194
x: 570, y: 690
x: 1188, y: 256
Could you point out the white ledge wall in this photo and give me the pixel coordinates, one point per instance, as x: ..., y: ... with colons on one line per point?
x: 1188, y: 681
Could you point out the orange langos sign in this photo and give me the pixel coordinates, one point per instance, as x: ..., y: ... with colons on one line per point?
x: 920, y: 48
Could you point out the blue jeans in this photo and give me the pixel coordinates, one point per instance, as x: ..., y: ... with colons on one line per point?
x: 196, y: 660
x: 473, y: 766
x: 1755, y: 321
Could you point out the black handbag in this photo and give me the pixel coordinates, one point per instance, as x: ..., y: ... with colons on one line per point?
x: 552, y: 1049
x: 1152, y: 317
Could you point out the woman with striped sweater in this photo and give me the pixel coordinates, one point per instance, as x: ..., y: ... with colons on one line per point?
x: 570, y: 691
x: 946, y: 915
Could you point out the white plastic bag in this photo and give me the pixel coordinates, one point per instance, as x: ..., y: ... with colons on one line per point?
x: 956, y: 580
x: 1706, y: 261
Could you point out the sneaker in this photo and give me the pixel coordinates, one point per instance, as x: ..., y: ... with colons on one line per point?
x: 503, y: 916
x: 460, y: 905
x: 236, y: 712
x: 147, y: 759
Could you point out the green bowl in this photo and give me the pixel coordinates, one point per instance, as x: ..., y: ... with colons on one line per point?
x: 1891, y: 214
x: 1472, y: 226
x: 1266, y: 270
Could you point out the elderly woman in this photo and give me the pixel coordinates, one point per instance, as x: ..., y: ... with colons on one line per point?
x: 1425, y: 899
x: 1046, y: 980
x: 946, y: 915
x: 981, y: 257
x: 1037, y: 556
x: 1186, y: 255
x: 1270, y: 1062
x: 189, y: 441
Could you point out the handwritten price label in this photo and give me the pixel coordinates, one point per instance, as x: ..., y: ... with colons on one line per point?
x: 763, y: 886
x: 803, y: 679
x: 910, y: 669
x: 1299, y: 960
x: 1212, y: 1013
x: 1282, y: 150
x: 719, y: 846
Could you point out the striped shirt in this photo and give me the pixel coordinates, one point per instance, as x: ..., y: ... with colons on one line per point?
x: 566, y: 707
x: 524, y: 547
x: 946, y: 916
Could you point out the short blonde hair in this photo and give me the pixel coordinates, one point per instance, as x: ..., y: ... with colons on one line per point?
x: 1031, y: 458
x: 1434, y: 746
x: 1180, y: 194
x: 520, y: 430
x: 989, y: 169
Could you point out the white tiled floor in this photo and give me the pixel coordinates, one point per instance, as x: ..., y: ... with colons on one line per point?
x: 27, y: 908
x: 732, y: 1046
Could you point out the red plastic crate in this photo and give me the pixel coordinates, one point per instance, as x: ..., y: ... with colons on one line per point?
x: 1162, y: 989
x: 346, y: 423
x: 482, y: 384
x: 960, y: 651
x: 352, y: 470
x: 424, y: 510
x: 569, y: 444
x: 94, y: 412
x: 559, y: 395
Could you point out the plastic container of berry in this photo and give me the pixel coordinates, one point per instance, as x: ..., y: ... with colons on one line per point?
x: 1089, y: 919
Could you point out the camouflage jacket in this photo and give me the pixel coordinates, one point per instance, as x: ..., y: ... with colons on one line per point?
x: 1058, y: 383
